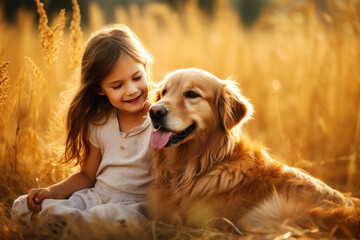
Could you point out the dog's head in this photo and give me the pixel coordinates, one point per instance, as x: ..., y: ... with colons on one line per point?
x: 191, y: 102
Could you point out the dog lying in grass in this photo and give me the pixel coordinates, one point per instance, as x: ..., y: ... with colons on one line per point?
x: 206, y: 171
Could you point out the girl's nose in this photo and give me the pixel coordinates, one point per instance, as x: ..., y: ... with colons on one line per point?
x: 131, y: 89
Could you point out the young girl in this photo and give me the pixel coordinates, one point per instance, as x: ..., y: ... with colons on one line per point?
x: 108, y: 134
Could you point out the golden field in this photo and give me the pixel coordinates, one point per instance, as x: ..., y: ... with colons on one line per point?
x: 298, y: 64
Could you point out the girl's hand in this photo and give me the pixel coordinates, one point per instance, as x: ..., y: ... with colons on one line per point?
x: 35, y: 197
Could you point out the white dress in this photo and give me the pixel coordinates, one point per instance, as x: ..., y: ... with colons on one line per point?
x: 121, y: 180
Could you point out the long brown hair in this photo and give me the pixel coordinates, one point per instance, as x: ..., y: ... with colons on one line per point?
x: 101, y: 52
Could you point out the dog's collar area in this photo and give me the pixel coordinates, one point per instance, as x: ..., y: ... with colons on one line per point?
x: 181, y: 135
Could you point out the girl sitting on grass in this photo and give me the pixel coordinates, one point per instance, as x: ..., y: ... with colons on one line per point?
x: 108, y: 134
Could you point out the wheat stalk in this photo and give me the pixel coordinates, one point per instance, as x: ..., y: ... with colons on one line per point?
x: 4, y: 88
x: 30, y: 64
x: 121, y: 15
x: 17, y: 93
x: 97, y: 18
x: 75, y: 38
x: 51, y: 40
x: 38, y: 92
x: 4, y: 79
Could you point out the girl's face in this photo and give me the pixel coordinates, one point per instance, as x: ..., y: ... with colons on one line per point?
x: 126, y: 86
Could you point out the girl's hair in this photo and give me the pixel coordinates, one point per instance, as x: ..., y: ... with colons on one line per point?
x: 102, y: 51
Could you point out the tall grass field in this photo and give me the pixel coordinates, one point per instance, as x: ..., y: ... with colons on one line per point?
x: 298, y: 63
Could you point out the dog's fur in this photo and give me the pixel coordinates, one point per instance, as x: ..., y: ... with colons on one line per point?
x: 216, y: 173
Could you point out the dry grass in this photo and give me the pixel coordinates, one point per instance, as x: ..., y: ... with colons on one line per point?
x: 50, y: 39
x: 299, y: 66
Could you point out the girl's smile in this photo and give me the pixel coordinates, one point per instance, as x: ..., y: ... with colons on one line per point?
x: 134, y: 100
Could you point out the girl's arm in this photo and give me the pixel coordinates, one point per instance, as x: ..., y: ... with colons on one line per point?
x: 84, y: 179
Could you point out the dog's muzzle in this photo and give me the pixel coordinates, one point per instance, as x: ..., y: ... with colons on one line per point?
x: 162, y: 137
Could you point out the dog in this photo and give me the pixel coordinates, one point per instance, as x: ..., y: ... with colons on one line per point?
x: 207, y: 173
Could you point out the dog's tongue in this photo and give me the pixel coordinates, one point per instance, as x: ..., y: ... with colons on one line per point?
x: 160, y: 138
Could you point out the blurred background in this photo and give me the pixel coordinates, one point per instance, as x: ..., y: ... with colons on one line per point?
x: 296, y: 60
x: 249, y: 9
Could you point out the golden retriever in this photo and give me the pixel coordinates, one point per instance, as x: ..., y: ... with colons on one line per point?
x: 209, y: 174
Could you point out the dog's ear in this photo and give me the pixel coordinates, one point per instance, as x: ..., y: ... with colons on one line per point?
x: 233, y: 107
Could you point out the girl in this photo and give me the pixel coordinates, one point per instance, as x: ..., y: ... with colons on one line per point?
x: 108, y: 134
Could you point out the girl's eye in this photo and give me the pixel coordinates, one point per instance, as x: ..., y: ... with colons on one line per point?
x: 117, y: 87
x: 138, y: 78
x: 191, y: 94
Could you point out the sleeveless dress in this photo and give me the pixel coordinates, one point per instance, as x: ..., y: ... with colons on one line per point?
x: 121, y: 180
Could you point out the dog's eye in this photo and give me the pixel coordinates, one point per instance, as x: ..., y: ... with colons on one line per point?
x: 191, y: 94
x: 163, y: 92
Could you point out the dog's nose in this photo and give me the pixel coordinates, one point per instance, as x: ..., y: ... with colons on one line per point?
x: 158, y: 112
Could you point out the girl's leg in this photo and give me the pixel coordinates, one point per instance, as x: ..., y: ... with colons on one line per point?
x: 20, y: 209
x: 118, y: 212
x: 75, y: 206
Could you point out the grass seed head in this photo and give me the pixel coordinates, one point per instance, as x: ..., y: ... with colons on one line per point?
x: 4, y: 82
x: 76, y: 37
x: 51, y: 40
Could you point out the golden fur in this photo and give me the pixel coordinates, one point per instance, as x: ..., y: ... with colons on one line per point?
x: 216, y: 173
